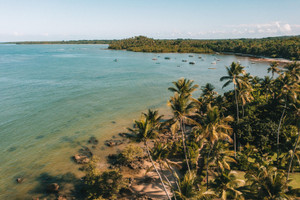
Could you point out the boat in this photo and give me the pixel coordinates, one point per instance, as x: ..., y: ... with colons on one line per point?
x: 211, y: 68
x: 191, y: 56
x: 192, y: 63
x: 253, y: 63
x: 116, y: 60
x: 167, y: 58
x: 199, y: 57
x: 184, y: 60
x: 214, y: 62
x: 154, y: 58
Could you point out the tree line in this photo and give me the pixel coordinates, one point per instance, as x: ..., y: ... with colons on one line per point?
x: 274, y: 47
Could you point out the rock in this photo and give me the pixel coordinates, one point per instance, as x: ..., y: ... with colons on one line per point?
x: 93, y: 141
x: 112, y: 143
x: 20, y: 180
x: 85, y: 151
x: 53, y: 188
x: 81, y: 159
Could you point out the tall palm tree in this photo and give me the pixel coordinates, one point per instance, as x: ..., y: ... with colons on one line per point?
x: 226, y: 184
x: 183, y: 86
x: 268, y: 183
x: 297, y: 122
x: 183, y: 106
x: 274, y: 68
x: 146, y: 129
x: 188, y: 191
x: 234, y: 76
x: 215, y: 128
x: 287, y: 93
x: 246, y: 96
x: 267, y: 87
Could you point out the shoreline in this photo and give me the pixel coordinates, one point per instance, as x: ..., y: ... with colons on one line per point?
x: 260, y: 58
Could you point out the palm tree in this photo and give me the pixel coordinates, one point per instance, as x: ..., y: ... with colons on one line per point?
x: 222, y: 157
x: 188, y: 190
x: 267, y: 86
x: 245, y: 94
x: 183, y: 106
x: 183, y: 86
x: 226, y: 184
x: 297, y: 122
x: 268, y: 183
x: 215, y: 128
x: 233, y: 76
x: 287, y: 94
x: 146, y: 129
x: 274, y: 68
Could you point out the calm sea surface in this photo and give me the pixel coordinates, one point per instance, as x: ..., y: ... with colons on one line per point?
x: 54, y: 97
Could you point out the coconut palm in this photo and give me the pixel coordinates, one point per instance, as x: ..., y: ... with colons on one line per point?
x: 183, y: 106
x: 296, y: 153
x: 268, y: 183
x: 215, y: 128
x: 226, y: 185
x: 146, y: 129
x: 267, y: 86
x: 293, y: 69
x: 245, y: 94
x: 234, y: 76
x: 188, y: 189
x: 287, y: 94
x: 183, y: 86
x: 221, y: 157
x: 274, y: 68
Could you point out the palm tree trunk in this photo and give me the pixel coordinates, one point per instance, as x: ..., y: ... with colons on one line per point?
x: 278, y: 131
x: 170, y: 185
x: 175, y: 179
x: 207, y: 166
x: 161, y: 180
x: 238, y: 119
x: 290, y: 165
x: 184, y: 146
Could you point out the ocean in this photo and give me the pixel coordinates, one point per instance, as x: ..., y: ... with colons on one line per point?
x: 54, y: 97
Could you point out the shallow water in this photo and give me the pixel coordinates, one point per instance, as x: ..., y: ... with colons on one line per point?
x: 54, y: 97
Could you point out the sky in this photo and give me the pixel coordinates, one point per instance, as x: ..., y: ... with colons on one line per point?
x: 46, y: 20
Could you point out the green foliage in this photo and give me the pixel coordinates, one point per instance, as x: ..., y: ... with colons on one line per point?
x: 103, y: 185
x: 275, y: 47
x: 129, y: 154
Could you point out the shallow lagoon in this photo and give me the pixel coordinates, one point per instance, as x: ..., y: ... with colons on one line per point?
x: 54, y: 97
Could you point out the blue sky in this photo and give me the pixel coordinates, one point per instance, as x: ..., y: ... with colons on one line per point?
x: 115, y: 19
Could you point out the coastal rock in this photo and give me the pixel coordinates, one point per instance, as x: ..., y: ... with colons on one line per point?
x: 85, y: 151
x: 112, y: 143
x: 20, y: 180
x: 81, y: 159
x: 93, y: 141
x: 53, y: 188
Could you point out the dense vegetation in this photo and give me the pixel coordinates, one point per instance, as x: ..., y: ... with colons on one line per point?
x: 253, y: 128
x: 65, y: 42
x: 275, y: 47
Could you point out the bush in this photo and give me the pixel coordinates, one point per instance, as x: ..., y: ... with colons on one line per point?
x: 105, y: 185
x: 129, y: 154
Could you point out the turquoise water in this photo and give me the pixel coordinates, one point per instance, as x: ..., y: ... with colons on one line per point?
x: 54, y: 97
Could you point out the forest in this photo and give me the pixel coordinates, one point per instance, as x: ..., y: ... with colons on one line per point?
x: 287, y: 47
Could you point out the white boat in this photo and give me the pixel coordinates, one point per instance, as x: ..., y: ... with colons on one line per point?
x: 213, y: 62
